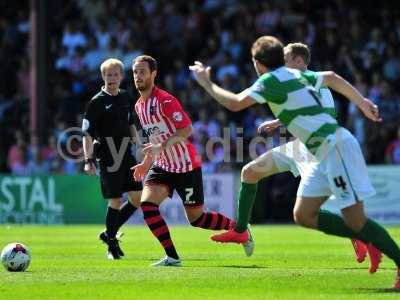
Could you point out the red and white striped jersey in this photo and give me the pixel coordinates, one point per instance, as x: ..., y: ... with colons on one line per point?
x: 160, y: 116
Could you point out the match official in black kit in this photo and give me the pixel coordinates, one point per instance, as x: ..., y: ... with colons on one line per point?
x: 109, y: 128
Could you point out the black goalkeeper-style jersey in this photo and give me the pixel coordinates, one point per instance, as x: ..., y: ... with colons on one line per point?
x: 108, y: 118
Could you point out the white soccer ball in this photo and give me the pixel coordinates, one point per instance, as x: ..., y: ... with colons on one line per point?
x: 15, y: 257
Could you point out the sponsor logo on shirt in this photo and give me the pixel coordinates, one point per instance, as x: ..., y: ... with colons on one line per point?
x: 153, y: 130
x: 259, y: 87
x: 177, y: 116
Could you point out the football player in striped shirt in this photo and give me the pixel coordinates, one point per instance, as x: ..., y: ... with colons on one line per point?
x: 340, y: 169
x: 173, y: 161
x: 295, y: 157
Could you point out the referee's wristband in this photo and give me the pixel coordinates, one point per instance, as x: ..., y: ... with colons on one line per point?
x: 89, y: 161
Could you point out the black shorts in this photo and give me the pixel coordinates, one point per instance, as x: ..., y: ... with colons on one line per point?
x: 114, y: 184
x: 189, y: 185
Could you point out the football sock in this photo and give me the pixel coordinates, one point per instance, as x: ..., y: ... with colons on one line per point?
x: 125, y: 212
x: 213, y: 220
x: 158, y: 227
x: 111, y: 222
x: 372, y: 233
x: 380, y: 238
x: 333, y: 224
x: 247, y: 196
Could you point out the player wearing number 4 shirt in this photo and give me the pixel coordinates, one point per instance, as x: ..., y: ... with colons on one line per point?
x: 340, y: 167
x: 295, y: 157
x: 172, y: 159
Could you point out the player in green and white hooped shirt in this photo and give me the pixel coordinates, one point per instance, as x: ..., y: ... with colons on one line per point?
x: 294, y: 101
x: 294, y: 156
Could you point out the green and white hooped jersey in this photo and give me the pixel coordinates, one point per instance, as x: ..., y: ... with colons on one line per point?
x: 326, y: 99
x: 294, y: 99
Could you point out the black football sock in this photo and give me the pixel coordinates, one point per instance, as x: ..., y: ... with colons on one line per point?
x: 111, y: 222
x: 125, y: 212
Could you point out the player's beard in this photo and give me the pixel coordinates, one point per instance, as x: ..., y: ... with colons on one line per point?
x: 143, y: 86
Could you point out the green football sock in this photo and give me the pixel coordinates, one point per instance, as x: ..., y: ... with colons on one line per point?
x: 247, y: 196
x: 380, y: 238
x: 332, y: 224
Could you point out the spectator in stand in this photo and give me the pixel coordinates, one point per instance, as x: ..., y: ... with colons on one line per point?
x: 80, y: 37
x: 389, y: 104
x: 20, y: 165
x: 73, y: 37
x: 93, y: 56
x: 391, y: 68
x: 392, y: 153
x: 14, y: 153
x: 49, y: 151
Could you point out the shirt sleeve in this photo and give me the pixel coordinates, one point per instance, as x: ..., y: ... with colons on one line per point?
x: 315, y: 78
x: 172, y: 109
x: 90, y: 119
x: 256, y: 91
x: 267, y: 89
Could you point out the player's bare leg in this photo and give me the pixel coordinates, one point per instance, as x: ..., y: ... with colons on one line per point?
x: 152, y: 197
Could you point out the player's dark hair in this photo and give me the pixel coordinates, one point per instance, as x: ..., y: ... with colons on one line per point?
x: 146, y: 58
x: 299, y: 49
x: 268, y: 50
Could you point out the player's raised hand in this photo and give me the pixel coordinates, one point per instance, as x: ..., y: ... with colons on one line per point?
x: 370, y: 110
x: 139, y: 171
x: 269, y: 126
x: 201, y: 73
x: 152, y: 149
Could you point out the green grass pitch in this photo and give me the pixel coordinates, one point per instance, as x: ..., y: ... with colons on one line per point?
x: 68, y: 262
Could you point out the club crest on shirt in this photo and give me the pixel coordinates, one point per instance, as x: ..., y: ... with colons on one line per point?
x: 177, y: 116
x: 259, y: 87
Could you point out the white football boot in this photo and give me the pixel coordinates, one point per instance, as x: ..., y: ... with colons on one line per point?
x: 248, y: 247
x: 168, y: 262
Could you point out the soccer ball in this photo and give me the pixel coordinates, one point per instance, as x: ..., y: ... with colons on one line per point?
x: 15, y: 257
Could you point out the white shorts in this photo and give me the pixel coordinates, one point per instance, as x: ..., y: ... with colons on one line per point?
x: 293, y: 157
x: 342, y: 173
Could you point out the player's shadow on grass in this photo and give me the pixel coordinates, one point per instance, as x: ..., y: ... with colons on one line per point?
x: 377, y: 291
x: 355, y: 268
x: 232, y: 266
x: 244, y: 267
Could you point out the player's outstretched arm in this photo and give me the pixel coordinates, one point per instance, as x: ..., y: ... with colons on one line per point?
x: 340, y: 85
x: 231, y: 101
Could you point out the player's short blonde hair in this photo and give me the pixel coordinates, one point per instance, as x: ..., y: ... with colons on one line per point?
x: 299, y: 49
x: 111, y: 62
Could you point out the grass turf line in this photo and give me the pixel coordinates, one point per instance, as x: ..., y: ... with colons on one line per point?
x: 68, y: 262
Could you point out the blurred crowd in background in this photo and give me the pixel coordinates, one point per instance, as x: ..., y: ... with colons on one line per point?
x: 361, y: 43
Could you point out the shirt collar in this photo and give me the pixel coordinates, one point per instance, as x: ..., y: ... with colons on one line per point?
x: 103, y: 88
x: 153, y: 91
